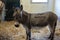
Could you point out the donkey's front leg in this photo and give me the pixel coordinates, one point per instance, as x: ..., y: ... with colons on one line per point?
x: 28, y: 33
x: 29, y: 27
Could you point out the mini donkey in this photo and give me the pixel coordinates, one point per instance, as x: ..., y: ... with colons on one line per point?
x: 35, y: 20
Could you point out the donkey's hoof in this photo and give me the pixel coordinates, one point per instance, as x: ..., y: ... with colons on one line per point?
x: 49, y: 37
x: 52, y: 39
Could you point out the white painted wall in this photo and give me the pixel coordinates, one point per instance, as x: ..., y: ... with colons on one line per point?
x: 37, y: 8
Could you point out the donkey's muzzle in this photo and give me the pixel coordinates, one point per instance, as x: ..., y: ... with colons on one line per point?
x: 17, y: 25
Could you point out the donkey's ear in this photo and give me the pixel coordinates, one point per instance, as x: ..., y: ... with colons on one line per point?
x: 21, y: 7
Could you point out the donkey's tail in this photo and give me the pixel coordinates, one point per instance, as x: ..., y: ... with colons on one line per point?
x: 55, y: 23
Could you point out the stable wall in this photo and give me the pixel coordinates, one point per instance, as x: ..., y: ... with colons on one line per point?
x: 37, y: 8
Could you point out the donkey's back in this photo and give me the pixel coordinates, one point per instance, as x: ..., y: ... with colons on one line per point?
x: 43, y: 19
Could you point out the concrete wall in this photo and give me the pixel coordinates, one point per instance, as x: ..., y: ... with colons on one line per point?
x: 57, y: 7
x: 37, y: 8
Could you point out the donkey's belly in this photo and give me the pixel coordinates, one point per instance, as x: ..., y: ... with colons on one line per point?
x: 39, y: 20
x: 40, y: 24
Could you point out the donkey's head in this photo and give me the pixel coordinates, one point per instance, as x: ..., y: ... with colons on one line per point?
x: 18, y: 15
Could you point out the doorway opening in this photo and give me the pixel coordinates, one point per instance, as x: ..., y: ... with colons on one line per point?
x: 9, y: 4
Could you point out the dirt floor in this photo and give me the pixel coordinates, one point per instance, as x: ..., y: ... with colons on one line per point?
x: 9, y: 32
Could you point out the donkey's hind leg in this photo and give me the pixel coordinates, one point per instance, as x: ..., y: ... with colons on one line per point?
x: 52, y: 30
